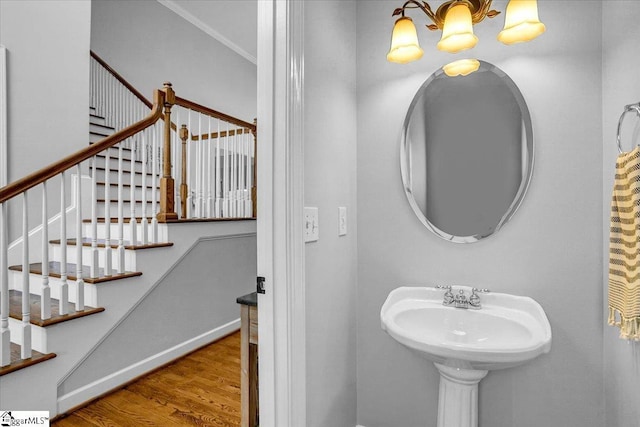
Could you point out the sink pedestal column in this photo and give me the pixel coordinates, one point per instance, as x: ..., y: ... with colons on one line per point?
x: 458, y: 396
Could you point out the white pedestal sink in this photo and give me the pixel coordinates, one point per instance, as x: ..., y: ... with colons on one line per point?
x: 465, y: 344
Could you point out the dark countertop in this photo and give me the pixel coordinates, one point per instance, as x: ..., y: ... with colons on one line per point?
x: 249, y: 299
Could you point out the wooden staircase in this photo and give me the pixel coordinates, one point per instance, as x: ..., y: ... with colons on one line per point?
x: 98, y: 130
x: 151, y: 194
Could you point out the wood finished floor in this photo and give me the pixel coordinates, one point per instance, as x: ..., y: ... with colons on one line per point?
x: 201, y: 389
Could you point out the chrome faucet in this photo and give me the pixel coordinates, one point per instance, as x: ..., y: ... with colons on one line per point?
x: 460, y: 300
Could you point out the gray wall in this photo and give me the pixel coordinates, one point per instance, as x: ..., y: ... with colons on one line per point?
x: 621, y: 86
x: 551, y: 249
x: 148, y: 44
x: 47, y: 80
x: 330, y: 182
x: 195, y: 296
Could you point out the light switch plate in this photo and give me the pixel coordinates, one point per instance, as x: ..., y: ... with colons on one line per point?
x: 342, y: 221
x: 311, y: 229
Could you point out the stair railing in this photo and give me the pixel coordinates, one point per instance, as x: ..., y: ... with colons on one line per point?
x: 21, y: 189
x: 113, y: 97
x: 217, y: 173
x: 216, y: 165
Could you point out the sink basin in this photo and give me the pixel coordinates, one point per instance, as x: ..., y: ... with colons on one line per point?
x: 465, y: 344
x: 507, y: 331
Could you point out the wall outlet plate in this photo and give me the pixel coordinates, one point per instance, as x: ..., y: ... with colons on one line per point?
x: 311, y: 228
x: 342, y: 221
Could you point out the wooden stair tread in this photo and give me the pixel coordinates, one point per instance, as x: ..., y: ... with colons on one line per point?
x: 102, y: 126
x: 116, y: 158
x: 115, y: 220
x: 86, y: 241
x: 93, y: 132
x: 115, y: 185
x: 17, y: 363
x: 125, y: 201
x: 15, y: 310
x: 54, y: 271
x: 100, y: 168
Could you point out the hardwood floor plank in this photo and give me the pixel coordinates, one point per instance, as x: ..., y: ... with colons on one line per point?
x: 201, y: 389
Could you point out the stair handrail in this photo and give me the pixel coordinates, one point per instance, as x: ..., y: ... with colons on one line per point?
x: 213, y: 113
x: 121, y: 79
x: 21, y: 185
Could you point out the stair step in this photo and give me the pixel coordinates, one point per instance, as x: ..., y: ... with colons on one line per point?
x: 148, y: 202
x: 128, y: 186
x: 96, y: 119
x: 15, y: 310
x: 115, y: 158
x: 54, y: 271
x: 127, y: 172
x: 100, y: 128
x: 114, y: 220
x: 127, y: 245
x: 17, y: 363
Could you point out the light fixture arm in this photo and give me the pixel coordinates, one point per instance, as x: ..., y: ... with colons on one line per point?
x: 480, y: 9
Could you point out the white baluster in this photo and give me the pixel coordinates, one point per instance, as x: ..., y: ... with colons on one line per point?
x: 5, y: 334
x: 217, y: 179
x: 79, y: 242
x: 225, y: 177
x: 177, y: 163
x: 239, y: 192
x: 234, y: 174
x: 209, y: 210
x: 144, y: 224
x: 94, y: 220
x: 120, y: 250
x: 64, y: 286
x: 25, y: 327
x: 154, y: 184
x: 133, y: 222
x: 247, y: 204
x: 242, y: 174
x: 45, y: 294
x: 108, y: 254
x: 198, y: 209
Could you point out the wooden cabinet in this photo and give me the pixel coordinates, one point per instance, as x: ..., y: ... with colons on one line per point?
x: 249, y: 359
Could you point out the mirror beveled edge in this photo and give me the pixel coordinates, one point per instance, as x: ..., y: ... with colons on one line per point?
x: 405, y: 156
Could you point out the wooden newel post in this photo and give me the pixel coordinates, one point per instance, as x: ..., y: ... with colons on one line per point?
x: 167, y: 203
x: 254, y: 187
x: 184, y: 189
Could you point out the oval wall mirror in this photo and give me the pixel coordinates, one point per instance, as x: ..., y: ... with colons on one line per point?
x: 466, y: 153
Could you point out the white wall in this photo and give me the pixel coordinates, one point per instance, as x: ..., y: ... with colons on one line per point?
x: 47, y: 80
x: 330, y: 182
x: 551, y: 249
x: 148, y: 44
x: 620, y: 86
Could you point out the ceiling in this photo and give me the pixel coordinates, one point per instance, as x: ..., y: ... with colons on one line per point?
x: 232, y: 22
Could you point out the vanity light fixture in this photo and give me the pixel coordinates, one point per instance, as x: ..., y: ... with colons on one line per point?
x: 456, y: 19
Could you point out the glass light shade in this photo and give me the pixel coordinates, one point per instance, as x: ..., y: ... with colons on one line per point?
x: 521, y: 22
x: 404, y: 42
x: 457, y: 33
x: 461, y: 67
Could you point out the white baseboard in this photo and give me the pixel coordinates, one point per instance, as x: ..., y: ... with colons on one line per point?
x: 117, y: 379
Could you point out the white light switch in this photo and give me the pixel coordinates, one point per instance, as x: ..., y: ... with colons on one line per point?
x: 311, y: 229
x: 342, y: 221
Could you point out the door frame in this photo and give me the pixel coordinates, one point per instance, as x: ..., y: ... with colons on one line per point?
x: 280, y: 182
